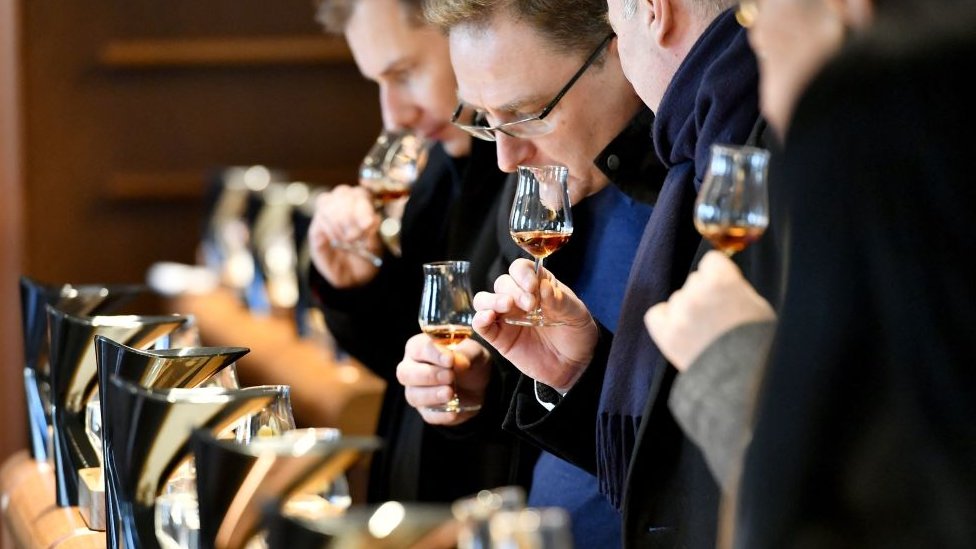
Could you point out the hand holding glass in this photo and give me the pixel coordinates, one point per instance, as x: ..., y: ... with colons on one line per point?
x: 446, y: 311
x: 732, y: 209
x: 392, y: 165
x: 388, y: 171
x: 541, y: 222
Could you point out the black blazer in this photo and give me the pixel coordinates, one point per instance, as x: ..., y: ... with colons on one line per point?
x: 866, y: 422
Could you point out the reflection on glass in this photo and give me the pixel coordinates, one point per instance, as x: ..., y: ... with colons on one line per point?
x: 301, y: 472
x: 274, y: 420
x: 149, y: 432
x: 74, y: 377
x: 88, y: 299
x: 93, y: 424
x: 177, y: 513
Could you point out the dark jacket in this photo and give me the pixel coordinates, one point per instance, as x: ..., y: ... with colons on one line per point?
x: 866, y: 423
x: 450, y: 215
x: 657, y: 476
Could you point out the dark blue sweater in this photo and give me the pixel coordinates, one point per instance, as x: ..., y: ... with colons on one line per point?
x: 614, y: 223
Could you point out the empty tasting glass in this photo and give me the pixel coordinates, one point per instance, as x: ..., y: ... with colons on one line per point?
x: 541, y: 222
x: 446, y: 311
x: 531, y: 528
x: 732, y: 209
x: 474, y: 514
x: 388, y: 172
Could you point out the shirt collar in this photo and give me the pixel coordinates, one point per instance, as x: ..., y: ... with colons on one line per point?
x: 629, y: 161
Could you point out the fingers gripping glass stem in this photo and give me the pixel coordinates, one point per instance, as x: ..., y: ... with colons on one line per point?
x: 388, y: 172
x: 541, y: 223
x: 359, y: 248
x: 446, y: 311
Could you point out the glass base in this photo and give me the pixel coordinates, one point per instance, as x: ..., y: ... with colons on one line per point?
x: 532, y: 321
x: 453, y: 407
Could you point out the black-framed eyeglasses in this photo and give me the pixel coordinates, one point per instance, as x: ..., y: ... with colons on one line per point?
x: 475, y: 121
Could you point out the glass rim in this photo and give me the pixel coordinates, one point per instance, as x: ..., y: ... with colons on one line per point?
x: 550, y: 173
x: 543, y: 167
x: 447, y: 263
x: 742, y: 149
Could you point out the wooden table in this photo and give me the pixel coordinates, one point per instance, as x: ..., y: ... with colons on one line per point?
x: 30, y: 516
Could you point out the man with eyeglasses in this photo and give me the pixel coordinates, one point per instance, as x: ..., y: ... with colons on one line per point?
x: 572, y: 106
x: 372, y: 310
x: 476, y: 122
x: 690, y: 62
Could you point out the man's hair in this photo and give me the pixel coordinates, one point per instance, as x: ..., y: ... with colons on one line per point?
x: 574, y: 25
x: 334, y: 14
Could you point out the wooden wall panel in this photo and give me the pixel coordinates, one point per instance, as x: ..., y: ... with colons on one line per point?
x: 123, y: 95
x: 13, y: 434
x: 113, y: 114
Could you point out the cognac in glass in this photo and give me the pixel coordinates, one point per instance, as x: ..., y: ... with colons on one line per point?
x: 732, y: 209
x: 541, y: 223
x: 446, y: 311
x: 388, y: 172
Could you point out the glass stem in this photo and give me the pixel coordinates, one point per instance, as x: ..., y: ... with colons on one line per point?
x: 537, y: 313
x: 454, y: 404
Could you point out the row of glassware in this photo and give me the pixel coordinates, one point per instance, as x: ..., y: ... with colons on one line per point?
x: 152, y: 437
x: 124, y: 414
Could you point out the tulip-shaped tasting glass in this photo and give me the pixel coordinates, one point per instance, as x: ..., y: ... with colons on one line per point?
x: 732, y: 209
x: 388, y: 172
x: 446, y: 311
x: 541, y: 222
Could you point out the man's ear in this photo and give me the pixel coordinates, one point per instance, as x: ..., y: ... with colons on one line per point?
x: 660, y: 19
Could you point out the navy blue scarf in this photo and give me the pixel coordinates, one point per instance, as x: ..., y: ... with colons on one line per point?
x: 713, y: 98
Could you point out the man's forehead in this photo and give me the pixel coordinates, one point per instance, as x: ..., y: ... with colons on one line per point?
x: 519, y: 103
x: 375, y: 56
x: 503, y: 71
x: 376, y: 61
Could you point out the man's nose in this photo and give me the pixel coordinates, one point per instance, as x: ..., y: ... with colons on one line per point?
x: 512, y: 151
x: 399, y: 110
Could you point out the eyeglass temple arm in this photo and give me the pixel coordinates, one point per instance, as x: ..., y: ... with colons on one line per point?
x: 569, y: 85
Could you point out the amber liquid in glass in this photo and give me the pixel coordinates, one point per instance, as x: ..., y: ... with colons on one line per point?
x: 730, y: 239
x: 541, y: 244
x: 384, y: 194
x: 448, y: 335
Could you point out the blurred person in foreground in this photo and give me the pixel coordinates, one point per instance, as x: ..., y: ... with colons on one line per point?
x: 450, y: 213
x: 865, y: 432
